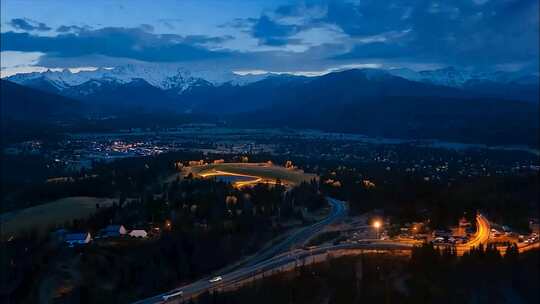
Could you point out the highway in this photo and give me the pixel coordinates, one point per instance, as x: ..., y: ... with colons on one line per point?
x: 300, y: 237
x: 295, y: 257
x: 279, y: 257
x: 260, y: 260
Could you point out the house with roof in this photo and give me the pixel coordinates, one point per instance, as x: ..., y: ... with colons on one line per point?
x: 138, y: 233
x: 113, y: 231
x: 77, y: 238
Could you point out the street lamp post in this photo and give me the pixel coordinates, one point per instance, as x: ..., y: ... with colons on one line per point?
x: 377, y: 225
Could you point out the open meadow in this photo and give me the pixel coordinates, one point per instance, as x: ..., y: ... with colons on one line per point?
x: 51, y: 214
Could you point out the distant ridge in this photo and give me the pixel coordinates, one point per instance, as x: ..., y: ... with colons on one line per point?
x: 368, y: 101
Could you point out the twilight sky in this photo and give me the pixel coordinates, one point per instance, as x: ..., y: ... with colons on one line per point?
x: 305, y: 37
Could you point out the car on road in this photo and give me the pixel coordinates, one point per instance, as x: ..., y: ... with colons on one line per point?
x: 215, y: 279
x: 172, y: 295
x: 439, y: 240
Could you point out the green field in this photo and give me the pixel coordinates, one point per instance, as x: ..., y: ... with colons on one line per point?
x: 49, y: 215
x: 262, y: 170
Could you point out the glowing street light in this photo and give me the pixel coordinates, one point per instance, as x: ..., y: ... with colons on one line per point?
x: 377, y: 225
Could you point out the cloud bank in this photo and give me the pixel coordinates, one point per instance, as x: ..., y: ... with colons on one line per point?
x: 312, y: 35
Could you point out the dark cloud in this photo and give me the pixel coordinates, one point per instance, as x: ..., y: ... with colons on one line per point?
x: 133, y: 43
x: 28, y: 25
x: 72, y: 28
x: 367, y: 17
x: 379, y: 50
x: 277, y: 28
x: 462, y: 32
x: 201, y: 39
x: 474, y: 33
x: 272, y: 33
x: 240, y: 23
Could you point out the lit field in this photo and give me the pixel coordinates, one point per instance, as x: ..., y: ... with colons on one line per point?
x: 259, y: 172
x: 50, y: 214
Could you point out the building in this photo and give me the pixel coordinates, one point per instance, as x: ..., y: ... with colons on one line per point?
x: 77, y: 238
x: 418, y: 227
x: 441, y: 233
x: 534, y: 225
x: 196, y: 162
x: 368, y: 184
x: 138, y: 233
x: 413, y: 228
x: 113, y: 231
x: 462, y: 228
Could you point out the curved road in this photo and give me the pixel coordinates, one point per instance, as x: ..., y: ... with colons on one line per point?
x: 483, y: 229
x: 301, y: 236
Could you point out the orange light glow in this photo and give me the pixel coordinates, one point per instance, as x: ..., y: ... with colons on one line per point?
x: 239, y: 184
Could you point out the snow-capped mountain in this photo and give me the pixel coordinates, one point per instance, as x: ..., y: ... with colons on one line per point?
x: 162, y: 77
x: 179, y: 79
x: 452, y: 77
x: 177, y: 84
x: 441, y: 77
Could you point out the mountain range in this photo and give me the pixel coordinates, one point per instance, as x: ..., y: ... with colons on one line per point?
x: 382, y: 105
x: 446, y: 104
x: 179, y: 81
x: 162, y: 77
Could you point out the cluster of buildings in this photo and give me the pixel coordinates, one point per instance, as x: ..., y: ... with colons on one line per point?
x: 112, y: 231
x: 435, y: 163
x: 453, y: 235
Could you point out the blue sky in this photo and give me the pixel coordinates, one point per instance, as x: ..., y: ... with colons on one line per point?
x: 283, y: 36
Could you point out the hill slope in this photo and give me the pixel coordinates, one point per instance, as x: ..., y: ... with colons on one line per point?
x: 388, y: 106
x: 23, y: 103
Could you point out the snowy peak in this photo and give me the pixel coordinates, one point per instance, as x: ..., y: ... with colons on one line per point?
x: 92, y: 86
x: 39, y: 81
x: 179, y: 80
x: 452, y: 77
x: 448, y: 77
x: 163, y: 77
